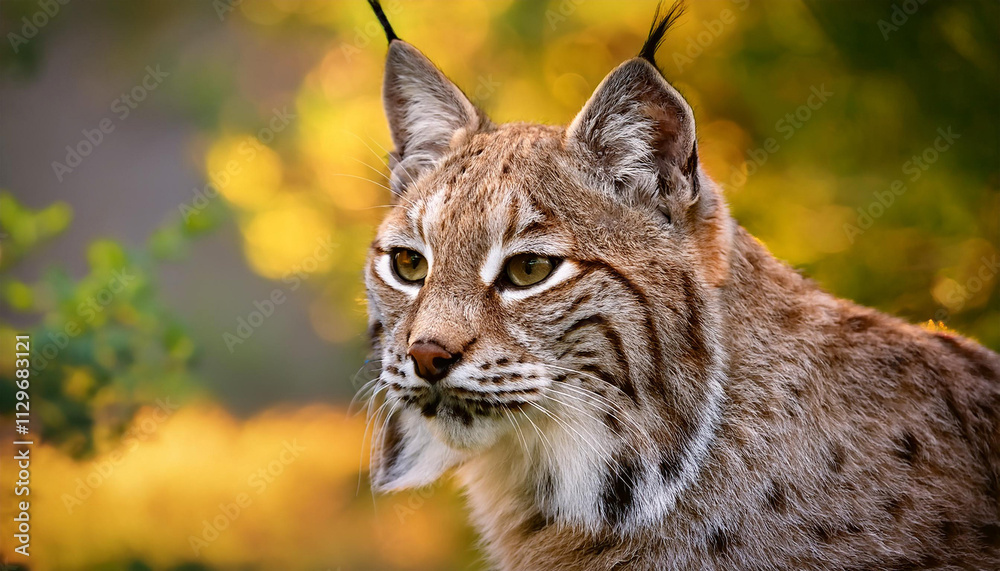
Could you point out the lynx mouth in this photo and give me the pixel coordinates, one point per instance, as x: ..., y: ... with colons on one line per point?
x: 463, y: 405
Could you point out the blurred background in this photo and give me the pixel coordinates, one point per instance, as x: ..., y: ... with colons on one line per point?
x: 188, y: 189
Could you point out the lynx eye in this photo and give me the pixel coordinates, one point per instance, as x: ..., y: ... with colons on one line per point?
x: 528, y: 269
x: 410, y: 266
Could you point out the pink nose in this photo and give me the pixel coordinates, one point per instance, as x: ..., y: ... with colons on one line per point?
x: 431, y: 360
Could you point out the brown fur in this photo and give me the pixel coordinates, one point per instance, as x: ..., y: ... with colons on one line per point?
x: 711, y: 408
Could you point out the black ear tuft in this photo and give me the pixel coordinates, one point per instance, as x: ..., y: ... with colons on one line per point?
x: 658, y: 29
x: 377, y: 8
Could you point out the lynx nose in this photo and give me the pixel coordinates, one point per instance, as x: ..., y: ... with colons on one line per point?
x: 431, y: 360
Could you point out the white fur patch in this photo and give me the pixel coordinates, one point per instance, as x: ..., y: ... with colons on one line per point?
x: 422, y: 457
x: 493, y: 265
x: 577, y: 449
x: 431, y: 213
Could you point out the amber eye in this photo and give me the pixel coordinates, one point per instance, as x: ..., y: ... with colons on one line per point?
x: 410, y: 266
x: 528, y: 269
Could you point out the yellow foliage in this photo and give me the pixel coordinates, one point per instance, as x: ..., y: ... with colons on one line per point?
x: 280, y: 490
x: 291, y: 237
x: 244, y: 170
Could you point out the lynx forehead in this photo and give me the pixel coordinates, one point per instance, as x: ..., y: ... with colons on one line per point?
x: 568, y: 319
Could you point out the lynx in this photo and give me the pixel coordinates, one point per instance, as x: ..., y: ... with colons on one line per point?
x: 619, y: 376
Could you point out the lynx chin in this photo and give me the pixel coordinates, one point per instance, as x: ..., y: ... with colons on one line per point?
x: 571, y: 324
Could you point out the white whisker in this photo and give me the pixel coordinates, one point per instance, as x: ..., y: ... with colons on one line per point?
x: 373, y: 169
x: 376, y: 183
x: 602, y: 453
x: 609, y: 403
x: 626, y: 441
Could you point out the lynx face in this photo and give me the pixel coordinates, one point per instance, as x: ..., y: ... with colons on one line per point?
x: 542, y: 291
x: 527, y: 291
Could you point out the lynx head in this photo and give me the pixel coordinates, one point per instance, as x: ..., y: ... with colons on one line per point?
x: 547, y: 292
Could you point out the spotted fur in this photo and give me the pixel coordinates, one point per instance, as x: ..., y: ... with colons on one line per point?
x: 672, y: 396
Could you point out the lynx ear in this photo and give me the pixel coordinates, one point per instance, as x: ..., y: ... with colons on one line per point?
x: 425, y: 111
x: 638, y: 133
x: 408, y: 455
